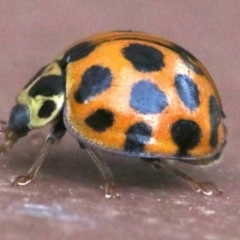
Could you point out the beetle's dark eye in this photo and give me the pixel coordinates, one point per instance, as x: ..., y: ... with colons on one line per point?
x: 19, y: 120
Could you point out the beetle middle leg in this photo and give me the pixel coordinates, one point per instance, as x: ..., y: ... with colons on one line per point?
x: 110, y: 190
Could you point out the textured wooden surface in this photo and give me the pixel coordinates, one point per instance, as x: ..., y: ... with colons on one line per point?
x: 66, y: 201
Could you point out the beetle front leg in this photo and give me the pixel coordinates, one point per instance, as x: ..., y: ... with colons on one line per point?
x: 57, y: 132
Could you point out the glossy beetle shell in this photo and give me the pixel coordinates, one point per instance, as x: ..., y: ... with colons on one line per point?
x: 138, y: 95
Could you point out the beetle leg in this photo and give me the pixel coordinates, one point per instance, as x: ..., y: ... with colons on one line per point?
x: 57, y: 132
x: 110, y: 190
x: 206, y: 188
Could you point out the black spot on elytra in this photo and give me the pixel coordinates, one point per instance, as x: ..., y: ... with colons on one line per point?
x: 48, y: 86
x: 215, y: 118
x: 144, y: 58
x: 147, y: 98
x: 47, y: 109
x: 35, y: 76
x: 100, y: 120
x: 77, y: 52
x: 136, y: 137
x: 186, y: 134
x: 190, y: 61
x: 95, y: 80
x: 187, y: 91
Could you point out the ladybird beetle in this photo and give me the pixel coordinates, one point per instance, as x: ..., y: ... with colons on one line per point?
x: 127, y: 93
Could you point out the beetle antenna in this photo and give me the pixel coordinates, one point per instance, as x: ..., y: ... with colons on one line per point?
x: 10, y: 137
